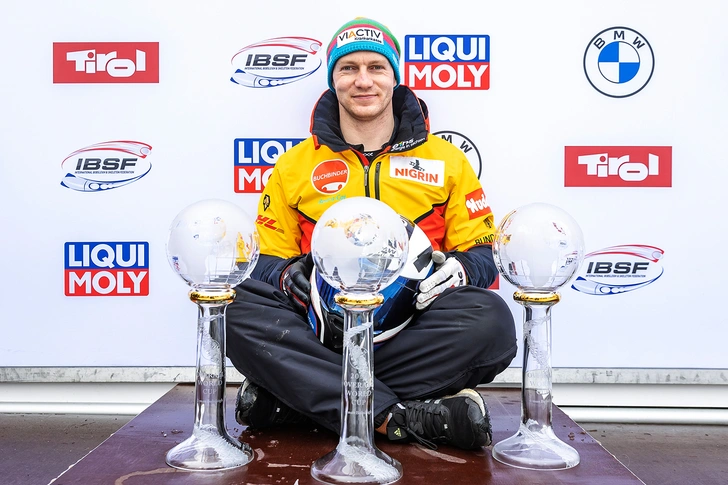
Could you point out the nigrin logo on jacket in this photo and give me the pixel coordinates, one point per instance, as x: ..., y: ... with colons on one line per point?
x: 430, y: 172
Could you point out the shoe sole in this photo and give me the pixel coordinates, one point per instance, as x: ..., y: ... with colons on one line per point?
x: 240, y: 416
x: 474, y: 396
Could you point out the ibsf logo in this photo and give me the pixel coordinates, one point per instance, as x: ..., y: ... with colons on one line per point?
x: 447, y: 61
x: 275, y: 62
x: 106, y: 166
x: 330, y: 176
x: 466, y: 146
x: 254, y: 161
x: 619, y: 62
x: 619, y: 269
x: 105, y: 62
x: 618, y: 166
x: 106, y: 268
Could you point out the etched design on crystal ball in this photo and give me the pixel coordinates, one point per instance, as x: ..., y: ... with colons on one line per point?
x: 538, y: 247
x: 212, y: 244
x: 359, y: 245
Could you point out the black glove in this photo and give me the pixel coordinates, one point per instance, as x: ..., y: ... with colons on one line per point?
x: 295, y: 282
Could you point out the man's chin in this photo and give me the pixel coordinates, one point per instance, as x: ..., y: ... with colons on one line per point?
x: 365, y: 114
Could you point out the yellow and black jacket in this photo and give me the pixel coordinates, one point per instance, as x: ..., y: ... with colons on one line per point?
x: 422, y: 177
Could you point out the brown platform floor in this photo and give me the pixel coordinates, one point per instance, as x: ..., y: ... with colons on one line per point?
x: 35, y: 449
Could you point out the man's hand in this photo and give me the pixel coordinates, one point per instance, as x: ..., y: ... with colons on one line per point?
x: 449, y: 273
x: 295, y: 283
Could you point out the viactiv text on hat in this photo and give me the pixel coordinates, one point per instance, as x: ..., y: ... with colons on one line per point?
x: 363, y: 34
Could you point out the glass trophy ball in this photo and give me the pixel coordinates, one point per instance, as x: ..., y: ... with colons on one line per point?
x: 360, y: 245
x: 538, y: 247
x: 213, y: 244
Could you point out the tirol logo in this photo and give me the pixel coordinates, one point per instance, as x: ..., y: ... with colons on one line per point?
x: 330, y: 176
x: 476, y: 204
x: 105, y: 62
x: 618, y: 166
x: 106, y: 165
x: 447, y: 61
x: 423, y: 170
x: 255, y: 159
x: 106, y: 268
x: 275, y: 62
x: 619, y: 269
x: 466, y: 146
x: 619, y: 62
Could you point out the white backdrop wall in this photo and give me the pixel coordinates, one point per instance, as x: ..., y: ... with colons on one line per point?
x: 539, y: 102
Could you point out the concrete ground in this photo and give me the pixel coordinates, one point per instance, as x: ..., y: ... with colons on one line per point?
x: 36, y: 448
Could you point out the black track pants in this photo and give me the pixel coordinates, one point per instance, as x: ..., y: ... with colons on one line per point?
x: 465, y: 338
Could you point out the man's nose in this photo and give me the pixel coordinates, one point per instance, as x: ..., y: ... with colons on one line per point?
x: 363, y: 78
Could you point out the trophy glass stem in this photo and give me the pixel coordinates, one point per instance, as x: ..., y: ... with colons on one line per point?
x: 536, y: 399
x: 535, y: 445
x: 356, y: 458
x: 210, y: 447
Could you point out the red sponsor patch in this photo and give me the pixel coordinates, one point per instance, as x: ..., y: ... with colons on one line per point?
x: 476, y: 204
x: 600, y: 166
x: 105, y: 62
x: 330, y: 176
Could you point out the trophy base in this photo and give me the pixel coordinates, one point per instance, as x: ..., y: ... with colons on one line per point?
x: 209, y: 450
x: 536, y: 450
x: 355, y: 464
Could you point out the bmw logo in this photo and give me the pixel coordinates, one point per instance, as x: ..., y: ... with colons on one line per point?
x: 468, y: 148
x: 619, y: 62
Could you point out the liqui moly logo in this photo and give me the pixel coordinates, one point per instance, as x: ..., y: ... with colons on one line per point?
x: 106, y: 268
x: 105, y: 62
x: 447, y: 61
x: 254, y: 160
x: 636, y: 166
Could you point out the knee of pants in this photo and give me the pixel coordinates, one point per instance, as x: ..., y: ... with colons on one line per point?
x: 485, y: 314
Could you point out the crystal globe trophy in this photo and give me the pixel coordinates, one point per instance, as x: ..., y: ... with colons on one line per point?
x: 359, y: 246
x: 538, y: 248
x: 212, y: 246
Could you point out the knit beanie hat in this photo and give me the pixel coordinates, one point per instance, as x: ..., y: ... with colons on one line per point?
x: 362, y: 34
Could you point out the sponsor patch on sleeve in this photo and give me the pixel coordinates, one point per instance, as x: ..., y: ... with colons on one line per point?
x: 476, y: 204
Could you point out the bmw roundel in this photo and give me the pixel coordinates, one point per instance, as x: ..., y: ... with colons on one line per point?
x: 619, y: 62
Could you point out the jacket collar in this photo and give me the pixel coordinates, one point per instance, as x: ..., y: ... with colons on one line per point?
x: 410, y: 118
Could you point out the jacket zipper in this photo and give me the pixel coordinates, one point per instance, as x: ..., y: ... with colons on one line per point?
x: 376, y: 179
x: 366, y: 180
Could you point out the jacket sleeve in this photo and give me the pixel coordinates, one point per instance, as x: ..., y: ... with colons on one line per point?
x: 479, y: 265
x: 468, y: 217
x: 278, y: 229
x: 269, y: 269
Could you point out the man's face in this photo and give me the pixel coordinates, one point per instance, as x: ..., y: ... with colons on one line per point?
x: 364, y: 83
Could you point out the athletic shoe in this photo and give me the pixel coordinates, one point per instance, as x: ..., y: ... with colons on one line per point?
x: 257, y: 408
x: 461, y: 420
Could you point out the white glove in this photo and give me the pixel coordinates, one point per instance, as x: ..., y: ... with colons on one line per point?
x: 449, y: 274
